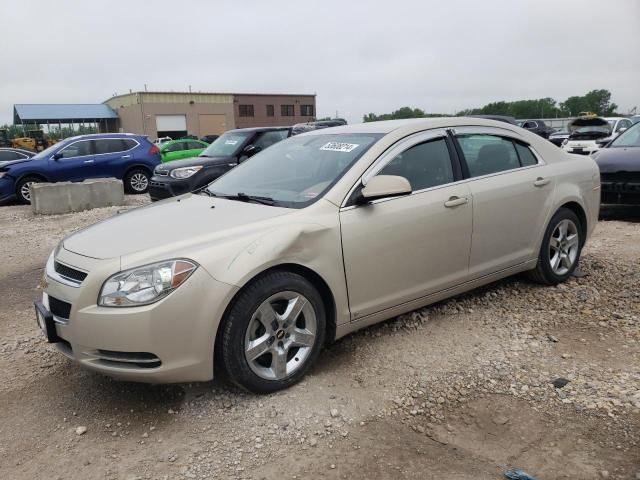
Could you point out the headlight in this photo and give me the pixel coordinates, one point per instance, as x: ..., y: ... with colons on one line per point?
x: 565, y: 141
x: 144, y: 285
x: 185, y: 172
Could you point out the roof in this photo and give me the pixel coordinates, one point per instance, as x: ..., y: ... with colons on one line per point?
x: 42, y: 113
x: 258, y: 129
x: 417, y: 124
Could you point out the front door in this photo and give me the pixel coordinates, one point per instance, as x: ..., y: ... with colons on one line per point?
x: 400, y: 249
x: 75, y: 162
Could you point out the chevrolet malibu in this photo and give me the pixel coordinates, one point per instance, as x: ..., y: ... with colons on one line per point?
x: 311, y: 239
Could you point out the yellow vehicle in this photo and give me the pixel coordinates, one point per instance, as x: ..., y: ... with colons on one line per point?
x: 4, y: 138
x: 35, y: 141
x: 587, y: 115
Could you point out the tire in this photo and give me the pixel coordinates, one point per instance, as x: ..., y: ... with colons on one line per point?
x: 136, y: 181
x: 262, y: 349
x: 22, y: 189
x: 554, y: 266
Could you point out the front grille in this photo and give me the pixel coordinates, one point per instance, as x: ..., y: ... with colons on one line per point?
x: 59, y: 308
x: 128, y: 359
x: 161, y: 173
x: 68, y: 272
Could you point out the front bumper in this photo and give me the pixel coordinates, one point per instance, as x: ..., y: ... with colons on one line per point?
x: 620, y: 192
x: 581, y: 148
x: 169, y: 341
x: 7, y: 190
x: 161, y: 187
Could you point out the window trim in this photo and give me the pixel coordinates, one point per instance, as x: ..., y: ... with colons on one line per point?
x: 392, y: 152
x: 93, y: 147
x: 496, y: 132
x: 456, y: 157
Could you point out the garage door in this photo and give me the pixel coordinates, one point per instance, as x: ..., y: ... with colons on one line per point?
x: 171, y: 123
x: 212, y: 124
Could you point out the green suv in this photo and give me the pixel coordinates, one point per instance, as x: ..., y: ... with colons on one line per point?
x: 177, y: 149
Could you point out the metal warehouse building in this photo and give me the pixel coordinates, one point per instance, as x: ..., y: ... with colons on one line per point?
x: 176, y: 114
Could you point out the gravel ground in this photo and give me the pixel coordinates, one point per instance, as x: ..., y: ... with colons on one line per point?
x: 463, y: 389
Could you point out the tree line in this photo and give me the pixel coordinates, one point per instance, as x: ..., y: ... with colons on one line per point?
x: 598, y: 101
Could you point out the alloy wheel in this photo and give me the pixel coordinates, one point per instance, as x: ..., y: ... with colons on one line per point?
x: 139, y: 182
x: 564, y: 245
x: 25, y: 191
x: 280, y: 335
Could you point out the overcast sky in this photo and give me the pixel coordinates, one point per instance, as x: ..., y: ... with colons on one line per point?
x: 358, y: 56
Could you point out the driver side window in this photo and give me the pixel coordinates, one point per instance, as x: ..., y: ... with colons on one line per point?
x: 425, y: 165
x: 77, y: 149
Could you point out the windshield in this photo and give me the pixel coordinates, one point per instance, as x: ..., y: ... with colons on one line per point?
x: 227, y: 145
x: 295, y: 172
x: 628, y: 138
x: 48, y: 151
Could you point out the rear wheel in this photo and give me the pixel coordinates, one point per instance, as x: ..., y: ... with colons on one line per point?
x: 273, y: 332
x: 136, y: 181
x: 23, y: 191
x: 560, y: 250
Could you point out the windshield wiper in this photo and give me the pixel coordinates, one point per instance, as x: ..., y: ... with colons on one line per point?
x: 206, y: 191
x: 243, y: 197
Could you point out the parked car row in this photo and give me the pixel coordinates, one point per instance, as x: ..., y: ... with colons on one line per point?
x: 131, y: 158
x: 312, y: 238
x: 229, y: 150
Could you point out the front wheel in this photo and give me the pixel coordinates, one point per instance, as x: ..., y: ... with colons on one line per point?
x: 560, y: 250
x: 23, y: 189
x: 136, y: 181
x: 273, y: 333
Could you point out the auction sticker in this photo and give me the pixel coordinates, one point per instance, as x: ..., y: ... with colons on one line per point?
x: 339, y: 147
x: 231, y: 142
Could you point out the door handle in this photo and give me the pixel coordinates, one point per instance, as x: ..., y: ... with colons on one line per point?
x: 541, y: 182
x: 455, y: 201
x: 126, y: 156
x: 88, y: 161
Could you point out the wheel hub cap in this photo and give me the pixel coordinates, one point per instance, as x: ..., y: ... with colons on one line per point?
x: 280, y: 335
x: 563, y: 247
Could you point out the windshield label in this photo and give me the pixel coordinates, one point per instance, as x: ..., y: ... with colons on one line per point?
x: 231, y: 142
x: 339, y: 147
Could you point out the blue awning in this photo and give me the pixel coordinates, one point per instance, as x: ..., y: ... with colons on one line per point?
x: 65, y: 113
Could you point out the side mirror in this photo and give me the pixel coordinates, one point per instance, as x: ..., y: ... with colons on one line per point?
x: 250, y: 150
x: 620, y: 130
x: 384, y: 186
x: 57, y: 156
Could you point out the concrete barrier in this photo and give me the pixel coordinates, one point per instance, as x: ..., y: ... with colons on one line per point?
x: 66, y: 197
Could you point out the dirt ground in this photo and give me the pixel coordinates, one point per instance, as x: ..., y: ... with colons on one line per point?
x: 460, y: 390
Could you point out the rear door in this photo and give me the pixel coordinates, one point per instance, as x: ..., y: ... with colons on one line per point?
x: 511, y: 189
x: 174, y: 151
x: 112, y: 155
x: 76, y: 162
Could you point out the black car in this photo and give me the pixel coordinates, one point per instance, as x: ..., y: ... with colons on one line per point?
x: 309, y: 126
x: 558, y: 137
x: 233, y: 147
x: 11, y: 154
x: 619, y: 164
x: 537, y: 126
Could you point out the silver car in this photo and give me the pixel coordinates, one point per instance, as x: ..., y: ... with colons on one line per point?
x: 316, y: 237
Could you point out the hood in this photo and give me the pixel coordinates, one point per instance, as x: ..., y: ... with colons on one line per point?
x: 170, y: 224
x: 190, y: 162
x: 589, y: 128
x: 8, y: 163
x: 618, y: 159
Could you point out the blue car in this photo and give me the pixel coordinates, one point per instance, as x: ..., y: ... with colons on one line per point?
x: 129, y: 157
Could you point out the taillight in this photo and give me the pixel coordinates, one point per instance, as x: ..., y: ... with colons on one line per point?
x: 154, y: 150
